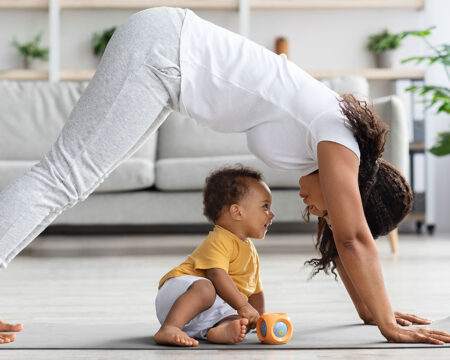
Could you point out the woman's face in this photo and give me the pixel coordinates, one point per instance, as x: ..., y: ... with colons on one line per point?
x: 311, y: 193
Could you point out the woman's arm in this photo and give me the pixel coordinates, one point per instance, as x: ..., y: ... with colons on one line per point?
x: 257, y: 301
x: 360, y: 306
x: 364, y: 313
x: 338, y: 172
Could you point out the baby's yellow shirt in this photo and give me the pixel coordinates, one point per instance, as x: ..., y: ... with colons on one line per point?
x: 223, y: 249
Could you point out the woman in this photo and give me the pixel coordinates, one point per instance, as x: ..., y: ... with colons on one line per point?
x: 163, y: 60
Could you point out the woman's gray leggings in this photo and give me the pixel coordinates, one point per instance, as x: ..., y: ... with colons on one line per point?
x: 135, y: 88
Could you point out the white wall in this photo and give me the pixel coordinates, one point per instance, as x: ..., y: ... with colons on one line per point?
x: 319, y: 39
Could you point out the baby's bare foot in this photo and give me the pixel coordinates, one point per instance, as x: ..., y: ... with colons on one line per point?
x: 171, y: 335
x: 229, y: 332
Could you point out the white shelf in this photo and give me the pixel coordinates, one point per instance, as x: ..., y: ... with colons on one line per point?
x: 370, y: 74
x: 218, y: 4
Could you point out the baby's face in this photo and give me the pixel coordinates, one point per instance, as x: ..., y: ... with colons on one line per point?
x: 256, y: 210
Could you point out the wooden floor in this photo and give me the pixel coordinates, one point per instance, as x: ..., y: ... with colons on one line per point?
x: 105, y: 279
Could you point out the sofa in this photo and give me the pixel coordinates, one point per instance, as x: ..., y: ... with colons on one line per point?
x: 161, y: 183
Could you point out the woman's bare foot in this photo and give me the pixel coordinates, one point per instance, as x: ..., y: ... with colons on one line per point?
x: 228, y: 332
x: 171, y: 335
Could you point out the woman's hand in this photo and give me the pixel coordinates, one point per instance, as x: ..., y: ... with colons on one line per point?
x: 398, y: 334
x: 409, y: 319
x: 249, y: 312
x: 402, y: 319
x: 6, y: 338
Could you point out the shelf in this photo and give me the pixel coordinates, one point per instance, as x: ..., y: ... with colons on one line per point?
x: 65, y: 75
x: 337, y: 4
x: 218, y: 4
x: 417, y: 146
x: 143, y: 4
x: 369, y: 74
x: 24, y: 75
x: 120, y: 4
x: 415, y: 217
x: 23, y: 4
x: 76, y: 75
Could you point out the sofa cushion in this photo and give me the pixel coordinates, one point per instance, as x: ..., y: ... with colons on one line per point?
x: 133, y: 174
x: 32, y: 114
x: 190, y: 173
x: 181, y: 137
x: 356, y: 85
x: 160, y: 207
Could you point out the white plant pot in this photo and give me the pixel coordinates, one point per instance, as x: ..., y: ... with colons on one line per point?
x: 386, y: 59
x: 34, y: 64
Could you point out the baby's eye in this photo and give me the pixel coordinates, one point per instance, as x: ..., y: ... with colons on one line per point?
x: 266, y: 206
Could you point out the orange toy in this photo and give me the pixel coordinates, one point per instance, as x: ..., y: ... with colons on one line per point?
x: 274, y: 328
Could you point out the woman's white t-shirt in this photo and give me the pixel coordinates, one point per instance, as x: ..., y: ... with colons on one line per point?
x: 231, y: 84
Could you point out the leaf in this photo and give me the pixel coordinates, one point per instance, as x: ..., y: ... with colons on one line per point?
x: 442, y: 146
x: 418, y: 59
x: 417, y: 33
x: 412, y: 88
x: 445, y: 107
x: 100, y: 40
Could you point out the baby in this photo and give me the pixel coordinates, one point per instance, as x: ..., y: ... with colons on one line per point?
x: 216, y: 294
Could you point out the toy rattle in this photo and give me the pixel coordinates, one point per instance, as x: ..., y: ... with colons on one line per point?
x: 274, y: 328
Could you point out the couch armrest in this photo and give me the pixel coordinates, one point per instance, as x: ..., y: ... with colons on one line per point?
x: 393, y: 112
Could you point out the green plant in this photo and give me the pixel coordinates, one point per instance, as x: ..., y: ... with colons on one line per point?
x: 383, y: 41
x: 100, y: 40
x: 31, y: 50
x: 433, y: 95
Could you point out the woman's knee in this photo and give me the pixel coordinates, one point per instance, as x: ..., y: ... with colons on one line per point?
x: 206, y: 291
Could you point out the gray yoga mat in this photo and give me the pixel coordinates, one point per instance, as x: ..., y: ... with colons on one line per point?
x: 139, y: 336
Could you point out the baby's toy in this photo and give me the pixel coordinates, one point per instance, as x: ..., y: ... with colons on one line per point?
x: 274, y: 328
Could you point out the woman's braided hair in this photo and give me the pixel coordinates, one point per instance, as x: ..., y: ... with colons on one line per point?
x: 386, y: 195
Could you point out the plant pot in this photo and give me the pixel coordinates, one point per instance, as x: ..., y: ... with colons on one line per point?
x: 386, y: 59
x: 26, y: 63
x: 34, y: 64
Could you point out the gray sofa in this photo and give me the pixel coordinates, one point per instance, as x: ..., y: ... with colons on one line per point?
x: 161, y: 183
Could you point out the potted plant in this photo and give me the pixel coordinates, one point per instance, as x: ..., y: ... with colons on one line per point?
x: 383, y: 45
x: 100, y: 40
x: 31, y: 50
x: 434, y: 96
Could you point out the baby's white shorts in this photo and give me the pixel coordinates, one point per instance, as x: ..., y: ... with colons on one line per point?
x: 199, y: 325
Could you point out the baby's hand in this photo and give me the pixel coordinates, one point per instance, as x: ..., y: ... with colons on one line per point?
x: 249, y: 312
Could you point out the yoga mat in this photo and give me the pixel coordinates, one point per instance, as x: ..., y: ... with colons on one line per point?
x: 139, y: 336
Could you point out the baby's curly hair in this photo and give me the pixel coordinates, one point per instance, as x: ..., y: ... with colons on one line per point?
x: 226, y: 186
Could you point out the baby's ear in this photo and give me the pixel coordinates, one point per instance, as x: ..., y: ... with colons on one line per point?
x: 235, y: 212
